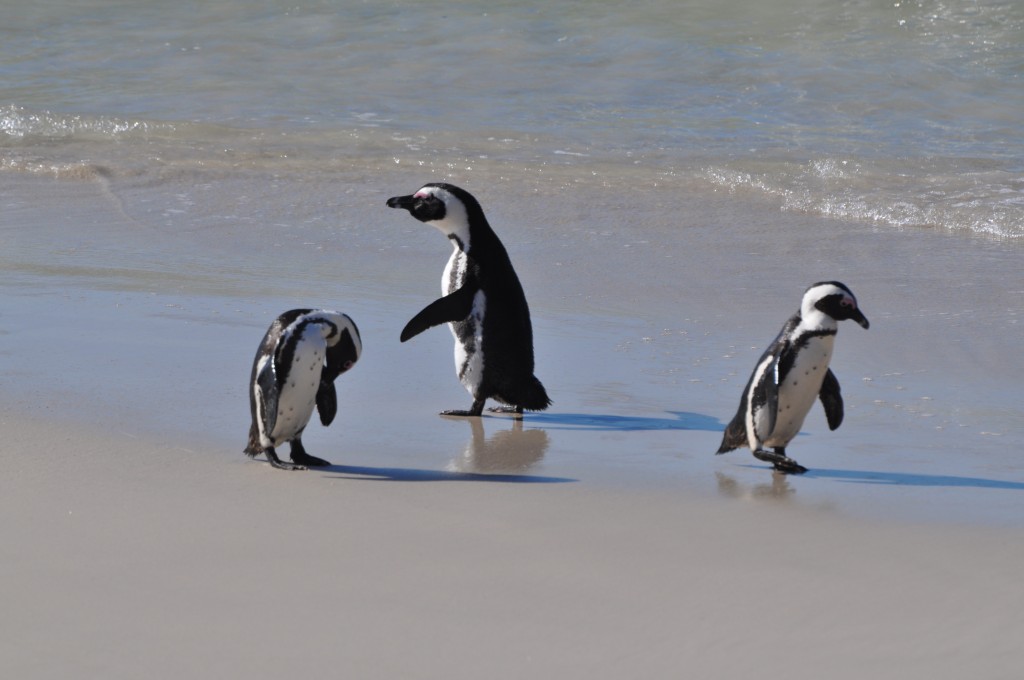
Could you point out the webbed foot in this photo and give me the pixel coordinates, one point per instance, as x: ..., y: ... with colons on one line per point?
x: 780, y: 462
x: 476, y: 409
x: 305, y: 460
x: 301, y: 458
x: 507, y: 410
x: 278, y: 463
x: 790, y: 467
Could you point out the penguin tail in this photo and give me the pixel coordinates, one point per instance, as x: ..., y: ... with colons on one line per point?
x: 253, y: 448
x: 534, y: 397
x: 735, y: 436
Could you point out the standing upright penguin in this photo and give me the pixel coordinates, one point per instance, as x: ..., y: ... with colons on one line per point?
x: 483, y: 302
x: 790, y: 375
x: 300, y: 356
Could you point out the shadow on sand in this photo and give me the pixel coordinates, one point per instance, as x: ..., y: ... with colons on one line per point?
x: 414, y: 474
x: 680, y: 420
x: 903, y: 479
x: 910, y: 479
x: 387, y: 474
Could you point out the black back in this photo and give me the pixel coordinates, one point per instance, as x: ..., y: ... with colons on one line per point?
x: 508, y: 331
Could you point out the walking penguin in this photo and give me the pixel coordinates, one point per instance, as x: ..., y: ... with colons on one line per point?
x: 302, y: 353
x: 790, y: 375
x: 483, y: 302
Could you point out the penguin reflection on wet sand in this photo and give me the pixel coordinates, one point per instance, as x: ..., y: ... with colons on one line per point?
x: 515, y: 450
x: 302, y: 353
x: 483, y: 302
x: 790, y: 375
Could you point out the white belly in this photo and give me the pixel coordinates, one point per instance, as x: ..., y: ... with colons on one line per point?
x: 454, y: 272
x: 468, y: 334
x: 297, y: 398
x: 800, y: 389
x: 469, y: 349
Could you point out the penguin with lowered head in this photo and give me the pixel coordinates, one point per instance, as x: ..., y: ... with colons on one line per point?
x: 301, y: 355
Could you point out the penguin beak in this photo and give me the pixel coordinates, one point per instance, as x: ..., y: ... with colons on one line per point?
x: 424, y: 207
x: 860, y: 318
x: 404, y: 202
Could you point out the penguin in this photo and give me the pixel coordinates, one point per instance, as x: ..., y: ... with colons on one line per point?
x: 483, y: 303
x: 302, y: 353
x: 790, y: 375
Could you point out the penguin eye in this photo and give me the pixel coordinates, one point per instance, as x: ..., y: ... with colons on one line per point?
x: 348, y: 365
x: 846, y: 302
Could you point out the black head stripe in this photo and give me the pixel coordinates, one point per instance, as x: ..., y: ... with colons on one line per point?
x: 837, y: 284
x: 833, y: 305
x: 425, y: 208
x: 474, y: 212
x: 341, y: 357
x: 428, y: 209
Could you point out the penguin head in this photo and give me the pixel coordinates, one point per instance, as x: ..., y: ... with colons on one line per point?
x: 444, y: 206
x: 344, y: 346
x: 834, y: 300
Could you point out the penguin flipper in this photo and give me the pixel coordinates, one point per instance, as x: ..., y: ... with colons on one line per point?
x: 340, y: 357
x: 453, y: 307
x: 266, y: 379
x: 326, y: 402
x: 832, y: 400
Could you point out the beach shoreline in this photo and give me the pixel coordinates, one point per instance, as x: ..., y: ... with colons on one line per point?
x: 152, y: 332
x: 599, y: 539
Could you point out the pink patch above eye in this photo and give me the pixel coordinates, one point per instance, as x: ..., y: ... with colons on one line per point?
x: 847, y: 302
x: 420, y: 194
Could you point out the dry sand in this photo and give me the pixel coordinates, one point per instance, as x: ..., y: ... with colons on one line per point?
x: 127, y: 558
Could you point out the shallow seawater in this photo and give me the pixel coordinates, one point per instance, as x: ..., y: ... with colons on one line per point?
x: 904, y: 114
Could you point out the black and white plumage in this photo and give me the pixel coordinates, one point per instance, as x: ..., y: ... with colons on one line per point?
x: 302, y: 353
x: 483, y: 302
x: 790, y: 375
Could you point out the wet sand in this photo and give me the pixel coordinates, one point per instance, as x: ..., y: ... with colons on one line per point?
x: 599, y: 539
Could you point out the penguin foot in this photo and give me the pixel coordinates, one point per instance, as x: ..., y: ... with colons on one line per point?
x: 281, y: 465
x: 507, y: 410
x: 790, y: 467
x: 278, y: 463
x: 305, y: 460
x: 780, y: 462
x: 476, y: 409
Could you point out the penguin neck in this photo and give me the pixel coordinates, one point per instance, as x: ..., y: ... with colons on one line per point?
x: 454, y: 224
x: 458, y: 243
x: 816, y: 320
